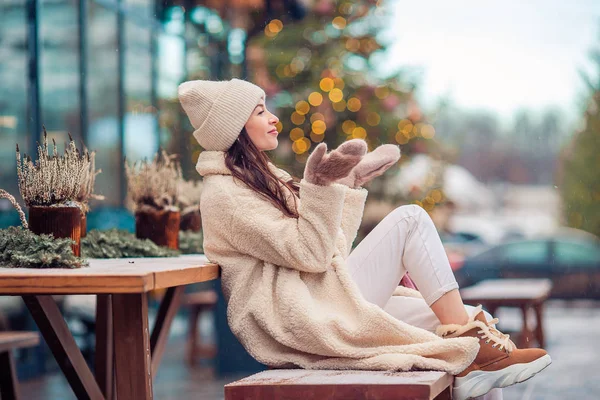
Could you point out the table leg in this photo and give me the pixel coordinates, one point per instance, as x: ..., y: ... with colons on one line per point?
x: 103, y: 368
x: 160, y: 332
x: 525, y: 339
x: 539, y: 329
x: 56, y: 333
x: 132, y: 346
x: 9, y: 386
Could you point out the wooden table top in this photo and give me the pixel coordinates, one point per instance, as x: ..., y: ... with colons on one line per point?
x: 123, y: 275
x: 508, y: 290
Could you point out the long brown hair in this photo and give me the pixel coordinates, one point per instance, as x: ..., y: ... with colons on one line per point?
x: 251, y: 166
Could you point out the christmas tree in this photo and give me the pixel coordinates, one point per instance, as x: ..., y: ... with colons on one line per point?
x: 580, y: 188
x: 322, y: 76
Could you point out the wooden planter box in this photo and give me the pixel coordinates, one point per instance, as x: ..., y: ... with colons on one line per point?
x: 191, y: 222
x: 61, y: 222
x: 83, y: 224
x: 162, y: 227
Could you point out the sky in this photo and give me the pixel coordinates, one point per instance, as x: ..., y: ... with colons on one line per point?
x: 499, y: 56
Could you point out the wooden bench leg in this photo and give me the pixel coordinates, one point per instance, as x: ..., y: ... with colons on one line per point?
x: 160, y: 332
x: 192, y: 339
x: 539, y: 329
x: 9, y: 386
x: 525, y: 337
x: 446, y: 394
x: 133, y: 367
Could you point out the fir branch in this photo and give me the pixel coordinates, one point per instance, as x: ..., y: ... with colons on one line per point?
x: 191, y: 242
x: 22, y: 248
x: 115, y: 243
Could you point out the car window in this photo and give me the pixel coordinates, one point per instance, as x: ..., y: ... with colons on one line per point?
x: 529, y: 252
x: 572, y: 253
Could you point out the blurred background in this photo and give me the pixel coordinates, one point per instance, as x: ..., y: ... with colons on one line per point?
x: 495, y: 106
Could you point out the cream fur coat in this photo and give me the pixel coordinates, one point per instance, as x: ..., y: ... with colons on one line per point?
x: 291, y: 300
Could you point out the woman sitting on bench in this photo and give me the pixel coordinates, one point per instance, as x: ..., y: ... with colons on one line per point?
x: 297, y: 295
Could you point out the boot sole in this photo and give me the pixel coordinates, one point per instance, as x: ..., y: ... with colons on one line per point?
x: 478, y: 383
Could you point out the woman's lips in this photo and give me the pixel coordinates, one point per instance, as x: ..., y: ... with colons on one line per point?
x: 274, y: 133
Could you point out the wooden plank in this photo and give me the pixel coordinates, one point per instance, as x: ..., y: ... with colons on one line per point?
x: 132, y: 347
x: 338, y: 385
x: 17, y: 340
x: 48, y: 318
x: 514, y: 291
x: 160, y: 332
x: 126, y: 275
x: 103, y: 368
x: 9, y: 386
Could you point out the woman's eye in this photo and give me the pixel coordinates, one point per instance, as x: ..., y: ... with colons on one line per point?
x: 262, y: 112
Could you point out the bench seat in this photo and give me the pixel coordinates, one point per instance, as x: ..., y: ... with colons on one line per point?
x: 299, y: 384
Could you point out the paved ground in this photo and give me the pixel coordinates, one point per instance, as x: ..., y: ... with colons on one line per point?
x: 572, y: 333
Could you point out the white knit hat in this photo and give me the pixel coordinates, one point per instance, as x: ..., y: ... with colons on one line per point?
x: 218, y: 110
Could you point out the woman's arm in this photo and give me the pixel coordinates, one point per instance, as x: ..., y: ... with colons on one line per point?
x: 354, y: 206
x: 306, y: 244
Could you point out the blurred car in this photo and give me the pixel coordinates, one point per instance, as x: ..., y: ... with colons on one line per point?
x: 571, y: 260
x: 460, y: 245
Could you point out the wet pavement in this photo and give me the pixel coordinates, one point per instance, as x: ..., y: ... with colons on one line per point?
x: 572, y: 329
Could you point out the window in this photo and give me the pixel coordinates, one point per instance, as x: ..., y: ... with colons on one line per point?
x: 529, y: 252
x: 576, y: 253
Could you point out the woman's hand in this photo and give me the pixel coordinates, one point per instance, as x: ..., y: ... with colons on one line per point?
x: 372, y: 165
x: 323, y: 169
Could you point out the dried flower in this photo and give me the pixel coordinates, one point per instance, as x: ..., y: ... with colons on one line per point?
x: 5, y: 195
x: 189, y: 196
x: 53, y: 179
x: 88, y: 181
x: 154, y: 184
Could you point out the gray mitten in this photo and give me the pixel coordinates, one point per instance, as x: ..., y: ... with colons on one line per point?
x: 372, y: 165
x: 323, y: 169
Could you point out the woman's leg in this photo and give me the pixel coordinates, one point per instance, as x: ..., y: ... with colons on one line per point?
x: 414, y: 311
x: 406, y: 241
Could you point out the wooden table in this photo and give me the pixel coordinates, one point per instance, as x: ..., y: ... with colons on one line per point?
x: 122, y: 317
x: 525, y: 294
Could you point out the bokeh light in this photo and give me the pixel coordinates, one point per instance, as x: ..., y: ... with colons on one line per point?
x: 319, y: 127
x: 326, y: 84
x: 297, y: 119
x: 302, y: 107
x: 354, y: 104
x: 315, y: 99
x: 296, y: 134
x: 336, y: 95
x: 373, y: 118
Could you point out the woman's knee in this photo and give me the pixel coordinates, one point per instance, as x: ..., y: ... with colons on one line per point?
x: 410, y: 210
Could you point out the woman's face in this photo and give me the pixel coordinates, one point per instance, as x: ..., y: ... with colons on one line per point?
x: 261, y: 128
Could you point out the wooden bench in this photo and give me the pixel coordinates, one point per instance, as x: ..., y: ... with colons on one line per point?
x: 9, y: 386
x: 198, y: 303
x: 525, y: 294
x: 300, y: 384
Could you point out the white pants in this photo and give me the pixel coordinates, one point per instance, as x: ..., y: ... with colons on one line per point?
x: 406, y: 240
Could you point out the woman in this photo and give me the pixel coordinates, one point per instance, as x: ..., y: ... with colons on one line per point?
x: 297, y: 295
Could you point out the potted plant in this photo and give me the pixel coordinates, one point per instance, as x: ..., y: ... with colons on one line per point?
x: 189, y: 204
x: 21, y: 248
x: 152, y: 190
x: 50, y: 186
